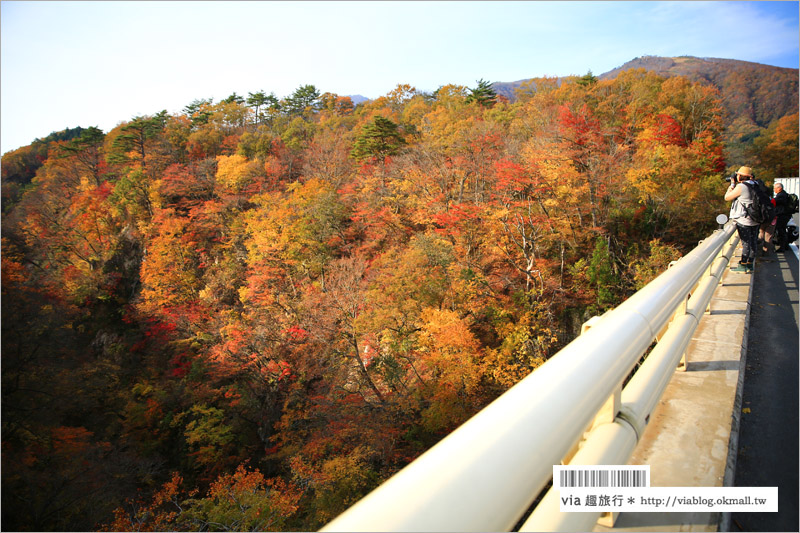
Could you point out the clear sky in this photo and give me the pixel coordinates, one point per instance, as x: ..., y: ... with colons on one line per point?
x: 69, y: 64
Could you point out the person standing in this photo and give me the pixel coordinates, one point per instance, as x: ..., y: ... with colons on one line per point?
x: 766, y: 231
x: 782, y: 209
x: 740, y: 194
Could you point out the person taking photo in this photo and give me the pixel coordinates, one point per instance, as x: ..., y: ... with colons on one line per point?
x: 740, y: 194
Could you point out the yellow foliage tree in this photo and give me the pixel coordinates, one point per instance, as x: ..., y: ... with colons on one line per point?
x: 235, y: 173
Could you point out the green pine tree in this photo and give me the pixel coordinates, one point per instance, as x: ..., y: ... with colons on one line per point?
x: 379, y: 139
x: 483, y: 94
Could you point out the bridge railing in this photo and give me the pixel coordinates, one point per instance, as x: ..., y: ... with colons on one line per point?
x: 486, y: 474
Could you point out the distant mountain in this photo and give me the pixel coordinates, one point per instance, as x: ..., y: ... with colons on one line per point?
x: 357, y: 98
x: 509, y: 88
x: 753, y: 93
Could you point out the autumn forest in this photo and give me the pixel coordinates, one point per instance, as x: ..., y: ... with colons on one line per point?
x: 247, y: 315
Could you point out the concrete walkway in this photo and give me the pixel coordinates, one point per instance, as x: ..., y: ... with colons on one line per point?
x: 692, y: 438
x: 768, y: 436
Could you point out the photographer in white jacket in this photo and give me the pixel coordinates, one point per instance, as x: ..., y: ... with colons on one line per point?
x: 741, y: 195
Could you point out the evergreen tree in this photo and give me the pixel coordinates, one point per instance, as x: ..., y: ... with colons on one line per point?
x: 378, y: 139
x: 234, y: 98
x: 87, y: 149
x: 587, y: 79
x: 303, y: 99
x: 483, y: 94
x: 259, y: 100
x: 198, y: 111
x: 134, y: 137
x: 601, y: 274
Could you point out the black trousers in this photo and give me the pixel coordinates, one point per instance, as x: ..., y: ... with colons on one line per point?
x: 780, y: 230
x: 749, y: 237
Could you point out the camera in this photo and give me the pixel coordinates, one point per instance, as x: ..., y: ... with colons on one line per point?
x: 735, y: 178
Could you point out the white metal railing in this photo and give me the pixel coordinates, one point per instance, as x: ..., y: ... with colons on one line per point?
x: 790, y: 185
x: 486, y: 474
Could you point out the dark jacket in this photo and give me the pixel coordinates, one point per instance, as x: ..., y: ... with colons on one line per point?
x: 782, y: 202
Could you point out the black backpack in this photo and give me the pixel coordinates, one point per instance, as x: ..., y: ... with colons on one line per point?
x: 792, y: 204
x: 761, y: 209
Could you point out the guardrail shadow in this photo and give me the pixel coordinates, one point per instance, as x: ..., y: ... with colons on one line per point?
x: 727, y: 311
x: 699, y: 366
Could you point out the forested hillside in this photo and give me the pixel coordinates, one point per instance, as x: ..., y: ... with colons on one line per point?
x: 249, y: 314
x: 754, y: 94
x: 755, y: 98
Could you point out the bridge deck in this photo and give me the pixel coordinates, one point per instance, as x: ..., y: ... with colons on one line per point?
x: 693, y: 435
x: 768, y: 437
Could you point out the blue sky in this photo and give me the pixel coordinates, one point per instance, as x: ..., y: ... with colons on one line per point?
x: 68, y: 64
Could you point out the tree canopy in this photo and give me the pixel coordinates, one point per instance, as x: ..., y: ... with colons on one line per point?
x: 248, y: 314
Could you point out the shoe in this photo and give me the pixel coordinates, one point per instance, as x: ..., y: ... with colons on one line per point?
x: 749, y: 267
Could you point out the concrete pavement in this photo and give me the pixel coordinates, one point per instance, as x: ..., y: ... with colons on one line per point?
x: 768, y: 436
x: 693, y: 435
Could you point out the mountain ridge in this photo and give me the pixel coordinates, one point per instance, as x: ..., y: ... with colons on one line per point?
x: 754, y: 94
x: 669, y: 65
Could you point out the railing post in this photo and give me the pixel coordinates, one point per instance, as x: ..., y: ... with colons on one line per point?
x: 608, y: 519
x: 679, y: 312
x: 608, y: 413
x: 586, y: 326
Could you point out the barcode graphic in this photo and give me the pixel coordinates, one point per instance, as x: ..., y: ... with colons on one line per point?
x: 603, y: 478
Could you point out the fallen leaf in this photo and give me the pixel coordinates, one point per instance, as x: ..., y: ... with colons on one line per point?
x: 746, y: 410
